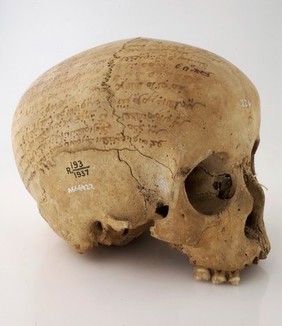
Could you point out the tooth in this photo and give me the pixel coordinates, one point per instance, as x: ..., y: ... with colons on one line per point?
x: 201, y: 273
x: 234, y: 278
x: 218, y: 277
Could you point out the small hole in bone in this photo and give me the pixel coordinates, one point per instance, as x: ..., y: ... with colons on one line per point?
x: 208, y: 186
x: 125, y: 232
x: 162, y: 209
x: 98, y: 228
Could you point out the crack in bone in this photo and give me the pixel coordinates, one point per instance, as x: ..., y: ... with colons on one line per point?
x: 87, y: 148
x: 133, y: 176
x: 210, y: 174
x: 149, y: 157
x: 214, y: 224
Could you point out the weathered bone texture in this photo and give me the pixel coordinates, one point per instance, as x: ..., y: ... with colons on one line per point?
x: 146, y: 133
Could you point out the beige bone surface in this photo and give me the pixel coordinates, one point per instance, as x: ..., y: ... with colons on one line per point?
x: 146, y: 133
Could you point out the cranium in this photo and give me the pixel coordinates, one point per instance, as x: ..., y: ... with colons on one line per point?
x: 142, y: 134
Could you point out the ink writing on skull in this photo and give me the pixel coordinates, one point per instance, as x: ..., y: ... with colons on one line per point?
x: 78, y: 169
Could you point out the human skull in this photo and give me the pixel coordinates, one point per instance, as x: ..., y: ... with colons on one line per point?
x: 142, y: 134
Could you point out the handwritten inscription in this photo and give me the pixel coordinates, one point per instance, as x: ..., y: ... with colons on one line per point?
x: 158, y: 100
x: 245, y: 103
x: 80, y: 187
x: 151, y: 92
x: 78, y: 169
x: 193, y: 69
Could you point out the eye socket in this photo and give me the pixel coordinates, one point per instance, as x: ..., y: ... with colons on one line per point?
x: 209, y: 187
